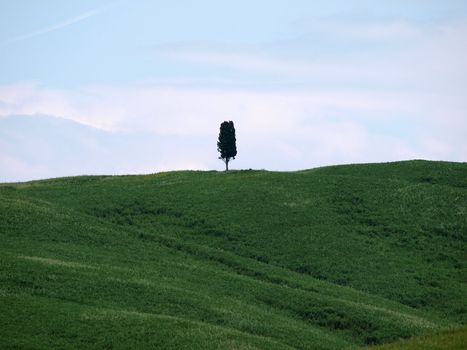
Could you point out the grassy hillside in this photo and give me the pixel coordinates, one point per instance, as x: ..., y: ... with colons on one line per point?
x: 329, y: 258
x: 448, y: 340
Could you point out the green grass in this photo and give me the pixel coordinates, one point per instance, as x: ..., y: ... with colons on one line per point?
x: 329, y: 258
x: 448, y: 340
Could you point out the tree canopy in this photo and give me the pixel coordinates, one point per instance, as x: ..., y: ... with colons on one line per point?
x: 226, y: 144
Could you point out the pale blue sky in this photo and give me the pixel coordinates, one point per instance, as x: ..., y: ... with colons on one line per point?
x: 324, y: 82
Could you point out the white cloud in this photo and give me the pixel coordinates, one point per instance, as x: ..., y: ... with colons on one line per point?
x: 27, y: 98
x: 193, y: 111
x: 408, y: 56
x: 275, y: 129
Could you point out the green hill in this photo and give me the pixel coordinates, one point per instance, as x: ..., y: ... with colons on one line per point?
x: 329, y: 258
x: 455, y: 339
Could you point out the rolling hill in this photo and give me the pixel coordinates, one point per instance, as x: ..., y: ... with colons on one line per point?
x: 453, y: 339
x: 328, y: 258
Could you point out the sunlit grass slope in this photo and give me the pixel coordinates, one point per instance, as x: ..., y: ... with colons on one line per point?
x: 446, y: 340
x: 329, y: 258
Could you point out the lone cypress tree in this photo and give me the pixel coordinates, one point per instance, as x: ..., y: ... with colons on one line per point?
x: 226, y: 145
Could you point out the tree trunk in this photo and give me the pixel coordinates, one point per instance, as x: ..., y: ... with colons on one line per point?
x: 226, y: 165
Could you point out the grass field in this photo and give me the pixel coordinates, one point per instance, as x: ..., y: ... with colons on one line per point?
x: 455, y: 339
x: 329, y: 258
